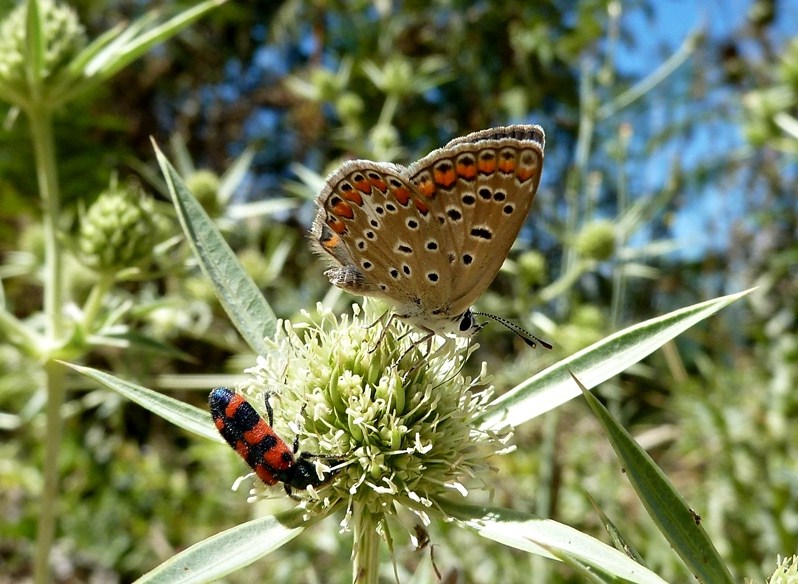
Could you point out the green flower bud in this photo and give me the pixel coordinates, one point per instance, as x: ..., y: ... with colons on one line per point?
x: 350, y: 106
x: 397, y: 77
x: 596, y: 241
x: 384, y: 137
x: 532, y: 268
x: 325, y: 83
x: 398, y: 416
x: 118, y: 231
x: 63, y: 37
x: 257, y: 266
x: 204, y: 185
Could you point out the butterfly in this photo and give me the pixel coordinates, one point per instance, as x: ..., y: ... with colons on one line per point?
x: 430, y: 238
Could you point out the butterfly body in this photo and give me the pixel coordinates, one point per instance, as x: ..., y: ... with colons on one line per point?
x: 431, y: 237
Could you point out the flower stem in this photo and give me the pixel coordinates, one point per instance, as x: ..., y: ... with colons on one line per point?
x: 366, y: 548
x: 95, y: 300
x: 46, y: 173
x: 48, y: 502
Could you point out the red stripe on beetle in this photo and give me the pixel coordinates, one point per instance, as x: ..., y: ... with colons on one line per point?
x: 259, y: 445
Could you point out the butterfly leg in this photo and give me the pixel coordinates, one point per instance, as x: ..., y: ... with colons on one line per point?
x: 427, y: 338
x: 391, y: 316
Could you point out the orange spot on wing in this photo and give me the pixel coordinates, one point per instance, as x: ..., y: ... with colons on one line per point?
x: 378, y: 183
x: 332, y: 241
x: 402, y: 195
x: 355, y: 197
x: 421, y: 206
x: 445, y: 178
x: 525, y: 173
x: 363, y: 186
x: 507, y: 165
x: 342, y: 209
x: 336, y: 225
x: 486, y: 165
x: 466, y: 171
x: 426, y: 187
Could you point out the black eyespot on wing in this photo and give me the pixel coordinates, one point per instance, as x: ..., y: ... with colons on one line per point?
x: 481, y: 233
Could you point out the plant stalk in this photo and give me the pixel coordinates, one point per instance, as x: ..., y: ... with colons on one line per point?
x: 46, y: 174
x: 48, y: 501
x: 366, y: 547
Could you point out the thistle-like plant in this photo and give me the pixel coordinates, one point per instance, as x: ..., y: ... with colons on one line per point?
x: 46, y: 61
x: 409, y: 437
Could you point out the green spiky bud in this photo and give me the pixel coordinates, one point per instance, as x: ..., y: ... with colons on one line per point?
x: 596, y: 241
x: 63, y: 37
x: 349, y: 106
x: 532, y: 268
x: 118, y: 231
x: 204, y: 185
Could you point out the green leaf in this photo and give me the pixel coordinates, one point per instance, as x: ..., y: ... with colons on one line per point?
x: 677, y: 522
x: 179, y: 413
x: 547, y: 538
x: 230, y: 550
x: 238, y: 294
x: 595, y: 364
x: 235, y: 175
x: 129, y: 338
x: 145, y: 41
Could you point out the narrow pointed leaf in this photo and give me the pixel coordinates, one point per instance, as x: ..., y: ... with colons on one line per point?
x: 664, y: 504
x: 235, y: 174
x: 145, y: 41
x: 547, y: 538
x: 595, y: 364
x: 98, y: 57
x: 179, y: 413
x: 238, y: 294
x: 230, y: 550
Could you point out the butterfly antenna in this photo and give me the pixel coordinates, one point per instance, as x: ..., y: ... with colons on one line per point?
x: 524, y: 334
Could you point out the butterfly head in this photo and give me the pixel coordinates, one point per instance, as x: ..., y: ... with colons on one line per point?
x: 461, y: 325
